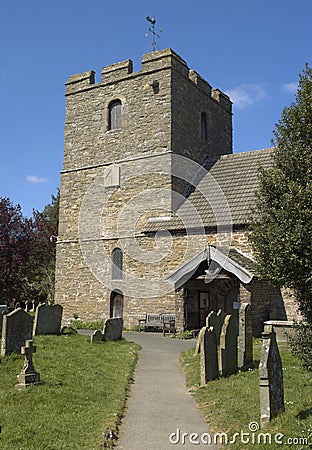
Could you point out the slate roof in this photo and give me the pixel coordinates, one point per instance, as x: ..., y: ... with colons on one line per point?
x: 224, y: 196
x: 239, y: 258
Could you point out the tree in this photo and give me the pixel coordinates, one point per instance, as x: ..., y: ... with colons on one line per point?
x: 27, y: 252
x: 41, y: 262
x: 282, y: 229
x: 15, y: 239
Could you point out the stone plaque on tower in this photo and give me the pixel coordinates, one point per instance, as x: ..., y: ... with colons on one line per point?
x: 112, y: 176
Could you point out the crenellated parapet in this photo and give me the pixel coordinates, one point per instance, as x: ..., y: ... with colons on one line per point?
x: 151, y: 63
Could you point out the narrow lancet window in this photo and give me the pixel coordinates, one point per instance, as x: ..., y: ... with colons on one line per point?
x: 117, y: 260
x: 114, y: 112
x: 203, y: 126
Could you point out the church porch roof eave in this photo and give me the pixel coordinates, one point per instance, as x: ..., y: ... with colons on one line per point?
x: 184, y: 273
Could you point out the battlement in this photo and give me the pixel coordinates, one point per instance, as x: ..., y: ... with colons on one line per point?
x: 117, y: 71
x: 151, y: 63
x: 164, y: 59
x: 80, y: 82
x: 223, y: 99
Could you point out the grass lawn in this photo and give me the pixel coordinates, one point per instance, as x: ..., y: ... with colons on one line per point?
x: 231, y: 404
x: 83, y: 393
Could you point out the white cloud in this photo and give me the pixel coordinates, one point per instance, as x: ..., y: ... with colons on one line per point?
x: 290, y: 87
x: 246, y: 95
x: 36, y: 179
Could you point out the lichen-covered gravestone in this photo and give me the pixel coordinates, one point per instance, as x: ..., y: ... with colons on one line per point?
x: 228, y: 347
x: 112, y: 330
x: 16, y: 329
x: 209, y: 369
x: 48, y: 319
x: 271, y: 378
x: 245, y: 349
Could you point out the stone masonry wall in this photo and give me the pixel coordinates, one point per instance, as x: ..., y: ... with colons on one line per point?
x: 86, y: 291
x: 192, y: 96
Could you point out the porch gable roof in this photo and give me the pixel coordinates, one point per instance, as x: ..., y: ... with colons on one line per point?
x: 223, y: 260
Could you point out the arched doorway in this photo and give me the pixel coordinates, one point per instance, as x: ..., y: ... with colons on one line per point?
x: 116, y: 303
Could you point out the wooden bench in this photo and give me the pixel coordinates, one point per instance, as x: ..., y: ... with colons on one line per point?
x: 166, y: 322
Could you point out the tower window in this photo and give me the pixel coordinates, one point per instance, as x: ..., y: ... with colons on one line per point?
x: 117, y: 260
x: 203, y: 127
x: 114, y: 112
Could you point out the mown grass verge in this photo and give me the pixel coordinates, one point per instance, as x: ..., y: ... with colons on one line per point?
x: 83, y: 394
x: 231, y: 405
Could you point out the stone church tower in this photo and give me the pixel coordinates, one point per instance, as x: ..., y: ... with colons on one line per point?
x: 154, y: 206
x: 120, y: 138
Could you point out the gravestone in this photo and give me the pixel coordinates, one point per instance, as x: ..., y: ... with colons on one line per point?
x: 219, y: 321
x: 228, y: 347
x: 210, y: 319
x: 16, y: 329
x: 28, y: 375
x: 199, y: 342
x: 112, y: 330
x: 68, y: 330
x: 3, y: 309
x: 245, y: 349
x: 97, y: 336
x: 216, y: 320
x: 271, y: 378
x: 48, y: 319
x: 209, y: 369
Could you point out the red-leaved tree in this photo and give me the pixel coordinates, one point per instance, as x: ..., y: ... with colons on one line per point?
x: 15, y: 238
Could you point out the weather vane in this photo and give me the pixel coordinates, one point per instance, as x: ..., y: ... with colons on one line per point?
x: 152, y: 31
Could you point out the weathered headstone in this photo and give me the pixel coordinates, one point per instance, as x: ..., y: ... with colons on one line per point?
x: 219, y: 321
x: 28, y: 375
x: 245, y: 348
x: 200, y: 341
x: 209, y: 369
x: 112, y: 330
x: 271, y: 378
x: 16, y: 329
x: 216, y: 320
x: 3, y: 309
x: 48, y: 319
x: 210, y: 319
x: 228, y: 347
x: 97, y: 336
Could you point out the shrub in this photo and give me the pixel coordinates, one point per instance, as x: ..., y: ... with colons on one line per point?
x: 301, y: 343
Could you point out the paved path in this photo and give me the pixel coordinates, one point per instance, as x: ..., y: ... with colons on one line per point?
x: 159, y: 402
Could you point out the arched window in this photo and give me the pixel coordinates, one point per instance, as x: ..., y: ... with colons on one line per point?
x: 114, y: 115
x: 203, y: 127
x: 117, y: 258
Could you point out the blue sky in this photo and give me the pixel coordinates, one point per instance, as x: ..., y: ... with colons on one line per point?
x: 253, y: 50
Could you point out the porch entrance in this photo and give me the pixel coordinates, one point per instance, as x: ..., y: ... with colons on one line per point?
x: 210, y: 282
x: 201, y: 298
